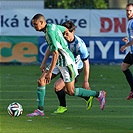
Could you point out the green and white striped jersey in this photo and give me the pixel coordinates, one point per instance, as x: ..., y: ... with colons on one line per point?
x: 56, y: 41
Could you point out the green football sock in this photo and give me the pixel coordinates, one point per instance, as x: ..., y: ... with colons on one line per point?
x: 84, y: 93
x: 40, y: 95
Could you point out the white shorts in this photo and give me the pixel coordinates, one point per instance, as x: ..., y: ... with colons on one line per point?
x: 69, y: 73
x: 55, y: 71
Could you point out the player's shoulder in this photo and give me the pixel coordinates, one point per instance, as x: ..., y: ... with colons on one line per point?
x: 48, y: 27
x: 130, y: 21
x: 79, y: 40
x: 77, y: 37
x: 51, y: 28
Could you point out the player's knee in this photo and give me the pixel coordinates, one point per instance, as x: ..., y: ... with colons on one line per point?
x: 40, y: 82
x: 124, y: 67
x: 70, y: 92
x: 56, y: 87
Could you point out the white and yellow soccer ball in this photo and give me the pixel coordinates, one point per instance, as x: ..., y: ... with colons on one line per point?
x: 15, y: 109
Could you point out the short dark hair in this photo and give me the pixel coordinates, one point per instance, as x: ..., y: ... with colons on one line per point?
x: 129, y: 4
x: 69, y: 25
x: 37, y: 16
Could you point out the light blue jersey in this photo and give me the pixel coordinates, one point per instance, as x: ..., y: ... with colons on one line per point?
x: 79, y: 50
x: 130, y: 33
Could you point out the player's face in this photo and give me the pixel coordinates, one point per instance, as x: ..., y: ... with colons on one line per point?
x: 69, y: 36
x: 129, y: 11
x: 37, y: 25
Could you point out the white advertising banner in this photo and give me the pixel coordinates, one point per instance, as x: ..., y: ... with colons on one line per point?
x: 18, y: 22
x: 89, y: 22
x: 108, y: 23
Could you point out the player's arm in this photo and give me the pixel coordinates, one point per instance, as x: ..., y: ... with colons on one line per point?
x: 125, y: 39
x: 124, y: 47
x: 51, y: 39
x: 86, y: 70
x: 55, y: 55
x: 86, y: 66
x: 43, y: 64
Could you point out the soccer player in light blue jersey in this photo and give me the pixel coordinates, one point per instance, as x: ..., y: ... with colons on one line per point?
x: 128, y: 60
x: 63, y: 59
x: 81, y: 55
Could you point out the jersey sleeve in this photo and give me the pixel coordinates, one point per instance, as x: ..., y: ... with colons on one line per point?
x: 83, y: 52
x: 51, y: 39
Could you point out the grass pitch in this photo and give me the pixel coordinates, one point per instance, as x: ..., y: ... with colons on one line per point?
x: 18, y: 83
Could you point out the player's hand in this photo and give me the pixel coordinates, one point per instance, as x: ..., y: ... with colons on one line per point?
x: 86, y: 85
x: 125, y: 39
x: 123, y: 48
x: 42, y: 68
x: 48, y: 77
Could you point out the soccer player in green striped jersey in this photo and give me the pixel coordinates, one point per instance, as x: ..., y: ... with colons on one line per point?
x: 63, y: 58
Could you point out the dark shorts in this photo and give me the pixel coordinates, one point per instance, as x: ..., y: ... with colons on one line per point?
x: 76, y: 79
x: 79, y: 71
x: 128, y: 59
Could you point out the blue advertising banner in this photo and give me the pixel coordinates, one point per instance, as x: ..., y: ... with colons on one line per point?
x: 105, y: 49
x: 101, y: 49
x: 42, y: 46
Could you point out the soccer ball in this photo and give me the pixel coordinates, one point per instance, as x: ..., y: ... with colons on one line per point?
x: 15, y: 109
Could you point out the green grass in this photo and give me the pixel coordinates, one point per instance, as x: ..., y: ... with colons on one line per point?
x: 18, y: 83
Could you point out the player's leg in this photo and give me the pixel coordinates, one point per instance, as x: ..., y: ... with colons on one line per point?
x: 91, y: 93
x: 81, y: 92
x: 69, y: 83
x: 41, y: 90
x: 71, y: 92
x: 59, y: 90
x: 68, y: 77
x: 69, y: 73
x: 127, y: 62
